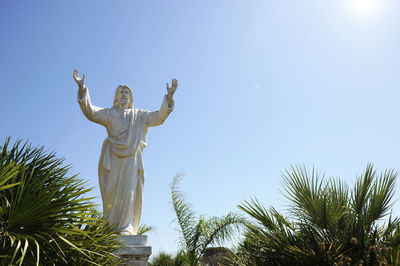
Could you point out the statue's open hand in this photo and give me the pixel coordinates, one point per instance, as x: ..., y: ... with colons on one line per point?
x: 171, y: 90
x: 80, y: 82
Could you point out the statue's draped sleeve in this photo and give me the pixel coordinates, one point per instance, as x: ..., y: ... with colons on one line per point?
x: 158, y: 117
x: 93, y: 113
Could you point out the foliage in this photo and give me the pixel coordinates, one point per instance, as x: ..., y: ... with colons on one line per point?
x: 217, y: 256
x: 328, y: 223
x: 144, y: 228
x: 166, y: 259
x: 45, y: 218
x: 199, y: 233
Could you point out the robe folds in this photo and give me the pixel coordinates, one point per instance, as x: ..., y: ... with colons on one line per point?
x: 121, y: 172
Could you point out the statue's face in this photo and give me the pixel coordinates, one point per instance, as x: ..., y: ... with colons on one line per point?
x: 123, y: 96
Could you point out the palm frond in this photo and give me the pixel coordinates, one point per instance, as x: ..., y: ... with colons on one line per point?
x: 185, y: 217
x: 362, y: 190
x: 318, y: 201
x: 198, y: 234
x: 144, y: 228
x: 382, y: 192
x: 217, y: 230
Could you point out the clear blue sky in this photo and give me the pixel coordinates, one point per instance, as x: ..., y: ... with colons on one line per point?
x: 262, y: 85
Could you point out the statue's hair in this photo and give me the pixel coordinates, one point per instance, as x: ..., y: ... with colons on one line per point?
x: 115, y: 102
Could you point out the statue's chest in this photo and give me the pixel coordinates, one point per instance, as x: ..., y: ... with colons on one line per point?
x: 120, y: 120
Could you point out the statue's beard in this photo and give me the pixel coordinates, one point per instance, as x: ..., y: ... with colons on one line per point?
x: 124, y: 105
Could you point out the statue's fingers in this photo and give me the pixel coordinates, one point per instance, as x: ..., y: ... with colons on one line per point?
x: 83, y: 77
x: 167, y: 86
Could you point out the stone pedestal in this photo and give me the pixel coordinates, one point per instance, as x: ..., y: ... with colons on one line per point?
x: 135, y: 250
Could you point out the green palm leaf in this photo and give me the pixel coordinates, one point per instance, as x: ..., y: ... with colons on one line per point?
x: 198, y: 235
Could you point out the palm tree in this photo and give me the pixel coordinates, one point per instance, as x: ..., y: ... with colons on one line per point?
x: 199, y: 233
x: 327, y: 223
x: 45, y: 217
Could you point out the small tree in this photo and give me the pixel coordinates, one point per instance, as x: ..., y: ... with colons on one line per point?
x: 199, y: 233
x: 45, y: 217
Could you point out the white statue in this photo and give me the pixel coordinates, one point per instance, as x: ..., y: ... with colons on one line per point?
x: 121, y: 173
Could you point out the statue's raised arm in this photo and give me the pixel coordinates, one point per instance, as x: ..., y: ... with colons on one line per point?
x: 158, y: 117
x: 93, y: 113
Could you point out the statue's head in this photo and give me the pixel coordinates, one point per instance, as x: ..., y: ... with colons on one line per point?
x: 123, y: 97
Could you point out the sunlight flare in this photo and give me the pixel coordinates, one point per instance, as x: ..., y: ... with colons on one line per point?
x: 365, y: 9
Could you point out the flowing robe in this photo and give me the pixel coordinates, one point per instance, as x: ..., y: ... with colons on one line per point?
x: 121, y: 172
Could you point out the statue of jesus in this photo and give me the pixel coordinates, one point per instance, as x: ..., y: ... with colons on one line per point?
x: 121, y: 172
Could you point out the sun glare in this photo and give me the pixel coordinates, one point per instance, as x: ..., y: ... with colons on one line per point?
x: 365, y: 9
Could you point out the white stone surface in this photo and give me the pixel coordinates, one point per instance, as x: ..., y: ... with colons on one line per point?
x: 135, y: 250
x: 137, y: 240
x: 121, y: 171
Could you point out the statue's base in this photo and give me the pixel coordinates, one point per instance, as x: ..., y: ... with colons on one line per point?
x: 135, y: 250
